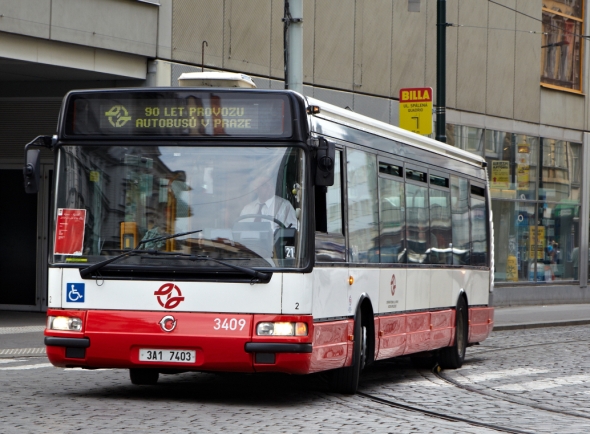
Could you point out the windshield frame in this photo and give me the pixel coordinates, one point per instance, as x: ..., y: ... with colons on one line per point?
x: 120, y: 270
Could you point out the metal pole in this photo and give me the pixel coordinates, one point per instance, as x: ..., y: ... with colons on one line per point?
x: 441, y: 69
x: 294, y: 46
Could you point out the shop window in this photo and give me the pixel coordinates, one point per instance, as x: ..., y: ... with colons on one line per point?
x: 561, y: 54
x: 512, y: 164
x: 560, y: 175
x: 558, y: 209
x: 468, y: 138
x: 535, y: 185
x: 514, y: 251
x: 537, y: 240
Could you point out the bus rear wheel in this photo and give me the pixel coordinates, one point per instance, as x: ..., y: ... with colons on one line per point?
x: 346, y: 380
x: 453, y: 357
x: 143, y: 377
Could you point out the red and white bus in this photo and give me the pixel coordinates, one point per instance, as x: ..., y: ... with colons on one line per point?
x: 246, y: 230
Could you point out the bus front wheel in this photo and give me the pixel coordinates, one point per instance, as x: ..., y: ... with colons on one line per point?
x: 143, y: 377
x: 453, y: 357
x: 346, y: 380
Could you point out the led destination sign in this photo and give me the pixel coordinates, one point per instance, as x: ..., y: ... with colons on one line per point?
x: 177, y: 114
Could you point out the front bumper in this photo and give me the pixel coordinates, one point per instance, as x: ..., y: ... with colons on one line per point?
x: 222, y: 342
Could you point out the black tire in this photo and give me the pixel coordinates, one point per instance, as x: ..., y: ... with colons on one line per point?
x: 143, y: 377
x: 453, y: 357
x: 346, y: 380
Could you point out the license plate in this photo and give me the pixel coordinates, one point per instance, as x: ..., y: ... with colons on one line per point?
x: 169, y: 356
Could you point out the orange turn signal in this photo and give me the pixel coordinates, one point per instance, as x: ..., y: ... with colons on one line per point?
x: 300, y: 329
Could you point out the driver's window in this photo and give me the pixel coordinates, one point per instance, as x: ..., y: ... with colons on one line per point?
x: 329, y: 240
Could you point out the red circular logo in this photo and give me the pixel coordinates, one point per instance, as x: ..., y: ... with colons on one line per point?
x: 165, y: 297
x: 393, y: 285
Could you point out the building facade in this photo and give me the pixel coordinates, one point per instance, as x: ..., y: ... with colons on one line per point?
x: 517, y: 78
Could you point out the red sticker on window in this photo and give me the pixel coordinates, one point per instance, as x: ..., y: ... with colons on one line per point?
x: 69, y: 231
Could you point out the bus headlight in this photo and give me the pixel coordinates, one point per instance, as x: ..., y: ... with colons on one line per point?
x: 281, y: 329
x: 65, y: 323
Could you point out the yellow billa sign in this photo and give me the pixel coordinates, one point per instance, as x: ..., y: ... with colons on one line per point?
x: 415, y: 109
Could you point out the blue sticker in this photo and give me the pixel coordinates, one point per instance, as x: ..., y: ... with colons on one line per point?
x: 75, y: 292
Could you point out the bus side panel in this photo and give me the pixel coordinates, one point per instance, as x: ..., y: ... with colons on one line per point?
x: 366, y: 282
x: 418, y: 289
x: 392, y: 290
x: 441, y: 288
x: 297, y: 294
x: 330, y: 293
x: 478, y: 288
x: 54, y: 287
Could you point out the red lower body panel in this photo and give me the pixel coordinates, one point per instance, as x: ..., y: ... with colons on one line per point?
x: 413, y: 333
x: 332, y: 347
x: 401, y: 334
x: 481, y: 323
x: 219, y: 341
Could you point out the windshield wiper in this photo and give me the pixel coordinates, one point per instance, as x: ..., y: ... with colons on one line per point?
x: 86, y: 272
x: 260, y: 275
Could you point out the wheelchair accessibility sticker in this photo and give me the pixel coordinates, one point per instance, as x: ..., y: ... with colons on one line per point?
x: 75, y: 292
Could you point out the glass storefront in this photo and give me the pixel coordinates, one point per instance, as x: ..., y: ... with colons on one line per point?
x: 535, y: 185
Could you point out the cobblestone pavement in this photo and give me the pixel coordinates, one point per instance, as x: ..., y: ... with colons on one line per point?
x: 531, y: 381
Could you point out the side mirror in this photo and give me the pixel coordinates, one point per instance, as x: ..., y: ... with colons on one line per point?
x: 325, y: 157
x: 31, y: 170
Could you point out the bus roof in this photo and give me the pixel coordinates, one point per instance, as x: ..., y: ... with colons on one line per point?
x: 349, y: 118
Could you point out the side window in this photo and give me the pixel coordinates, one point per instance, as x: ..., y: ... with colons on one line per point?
x: 440, y: 221
x: 479, y: 234
x: 363, y: 221
x: 334, y: 200
x: 417, y: 218
x: 460, y: 218
x: 392, y: 217
x: 329, y: 240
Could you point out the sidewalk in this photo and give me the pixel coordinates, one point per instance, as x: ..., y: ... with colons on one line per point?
x: 21, y: 334
x: 523, y: 317
x: 12, y: 318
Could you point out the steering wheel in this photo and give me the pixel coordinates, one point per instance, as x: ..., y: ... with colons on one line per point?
x: 263, y: 217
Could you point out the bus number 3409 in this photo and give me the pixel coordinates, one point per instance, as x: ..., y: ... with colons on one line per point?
x: 232, y: 324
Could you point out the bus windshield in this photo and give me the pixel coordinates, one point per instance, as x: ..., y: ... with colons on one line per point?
x: 244, y: 204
